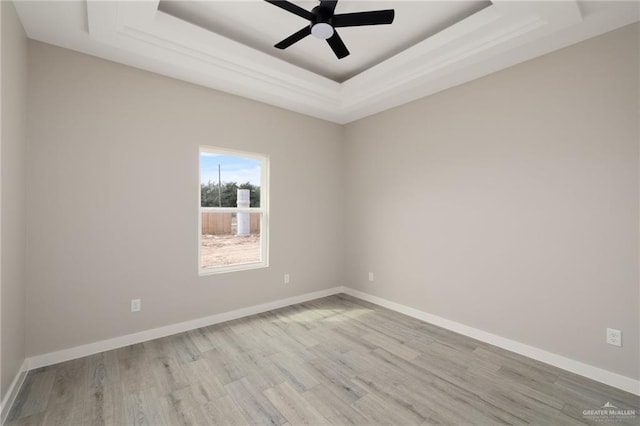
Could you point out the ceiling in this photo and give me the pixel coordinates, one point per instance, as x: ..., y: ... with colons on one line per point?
x: 228, y: 45
x: 261, y: 25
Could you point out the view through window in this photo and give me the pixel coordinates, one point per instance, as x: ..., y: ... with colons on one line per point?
x: 233, y: 214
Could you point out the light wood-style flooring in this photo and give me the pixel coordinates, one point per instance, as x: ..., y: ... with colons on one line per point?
x: 336, y: 360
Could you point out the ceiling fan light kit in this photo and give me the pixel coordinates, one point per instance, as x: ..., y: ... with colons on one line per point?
x: 323, y: 21
x: 322, y: 30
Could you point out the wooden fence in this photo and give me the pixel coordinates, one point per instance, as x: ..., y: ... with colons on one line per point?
x: 225, y: 223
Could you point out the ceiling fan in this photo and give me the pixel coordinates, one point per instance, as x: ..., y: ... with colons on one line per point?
x: 323, y: 22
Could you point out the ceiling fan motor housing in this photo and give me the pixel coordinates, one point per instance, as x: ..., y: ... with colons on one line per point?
x: 321, y: 26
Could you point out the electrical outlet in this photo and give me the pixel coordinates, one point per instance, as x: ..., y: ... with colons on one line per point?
x: 370, y: 276
x: 614, y: 337
x: 135, y: 305
x: 287, y: 279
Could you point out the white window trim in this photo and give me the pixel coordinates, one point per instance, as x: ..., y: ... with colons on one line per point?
x: 263, y: 210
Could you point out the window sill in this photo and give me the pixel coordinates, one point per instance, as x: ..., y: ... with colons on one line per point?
x: 231, y: 268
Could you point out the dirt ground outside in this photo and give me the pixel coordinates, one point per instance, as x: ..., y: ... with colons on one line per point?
x: 219, y: 250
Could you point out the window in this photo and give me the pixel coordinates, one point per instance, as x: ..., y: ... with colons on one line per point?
x: 233, y: 217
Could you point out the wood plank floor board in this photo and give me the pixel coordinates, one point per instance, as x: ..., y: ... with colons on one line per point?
x: 254, y: 405
x: 460, y: 356
x: 421, y: 345
x: 34, y: 396
x: 103, y: 404
x: 103, y: 369
x: 384, y: 411
x: 260, y: 379
x: 186, y: 350
x: 452, y: 384
x: 513, y: 360
x: 522, y: 405
x: 31, y: 420
x: 307, y: 316
x: 135, y: 350
x: 449, y: 338
x: 490, y: 383
x: 63, y: 414
x: 301, y: 335
x: 169, y: 374
x: 476, y: 407
x: 433, y: 360
x: 215, y: 334
x: 70, y: 381
x: 142, y: 408
x: 200, y: 339
x: 336, y: 410
x: 135, y: 373
x: 352, y: 331
x: 181, y: 412
x: 530, y: 375
x: 406, y: 370
x: 258, y: 343
x: 437, y: 408
x: 343, y: 342
x: 397, y: 330
x: 593, y: 392
x: 67, y: 400
x: 393, y: 393
x: 227, y: 367
x: 288, y: 344
x: 224, y: 411
x: 331, y: 361
x: 203, y: 379
x: 293, y: 406
x: 295, y: 371
x: 334, y: 358
x: 425, y: 391
x: 242, y: 325
x: 331, y: 375
x: 187, y: 404
x: 236, y: 341
x: 357, y: 362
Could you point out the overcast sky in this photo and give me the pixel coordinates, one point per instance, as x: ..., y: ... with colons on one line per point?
x: 233, y: 169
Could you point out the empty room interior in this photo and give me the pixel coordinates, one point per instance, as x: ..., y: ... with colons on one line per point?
x: 320, y: 212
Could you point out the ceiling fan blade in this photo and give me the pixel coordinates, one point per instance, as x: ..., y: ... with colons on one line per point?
x: 290, y: 7
x: 328, y: 4
x: 294, y: 38
x: 337, y: 45
x: 376, y: 17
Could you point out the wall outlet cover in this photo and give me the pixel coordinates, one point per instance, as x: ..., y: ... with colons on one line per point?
x: 614, y: 337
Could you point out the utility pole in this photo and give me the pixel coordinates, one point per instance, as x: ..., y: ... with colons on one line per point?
x: 219, y: 187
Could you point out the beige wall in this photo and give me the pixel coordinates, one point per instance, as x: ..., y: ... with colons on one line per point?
x: 510, y: 203
x: 114, y: 170
x: 12, y: 175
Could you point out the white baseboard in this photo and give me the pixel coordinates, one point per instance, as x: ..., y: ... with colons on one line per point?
x: 598, y: 374
x: 577, y: 367
x: 143, y: 336
x: 12, y: 392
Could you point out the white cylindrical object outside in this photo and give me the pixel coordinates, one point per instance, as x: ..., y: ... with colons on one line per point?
x: 244, y: 201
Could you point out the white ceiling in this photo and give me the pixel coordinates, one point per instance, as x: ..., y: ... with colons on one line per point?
x: 431, y: 45
x: 261, y: 25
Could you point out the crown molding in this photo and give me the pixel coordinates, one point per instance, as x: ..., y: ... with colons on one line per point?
x: 137, y: 34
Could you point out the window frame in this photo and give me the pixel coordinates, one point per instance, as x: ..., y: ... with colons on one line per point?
x: 263, y: 210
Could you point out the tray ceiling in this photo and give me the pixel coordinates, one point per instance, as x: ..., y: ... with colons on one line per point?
x: 261, y: 25
x: 227, y: 45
